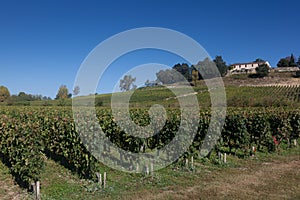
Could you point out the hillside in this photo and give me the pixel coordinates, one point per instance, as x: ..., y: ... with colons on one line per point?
x: 274, y: 79
x: 278, y: 79
x: 251, y: 91
x: 270, y: 173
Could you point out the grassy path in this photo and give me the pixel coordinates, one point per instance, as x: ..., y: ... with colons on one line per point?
x: 276, y: 179
x: 8, y: 189
x: 271, y: 177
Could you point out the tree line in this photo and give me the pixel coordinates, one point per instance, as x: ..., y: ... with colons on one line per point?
x: 62, y: 93
x: 5, y: 96
x: 289, y: 61
x: 209, y: 69
x: 184, y: 72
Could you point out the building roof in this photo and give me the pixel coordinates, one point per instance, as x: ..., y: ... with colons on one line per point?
x: 249, y: 63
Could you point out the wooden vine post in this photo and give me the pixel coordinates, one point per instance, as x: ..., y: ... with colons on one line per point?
x: 99, y: 176
x: 104, y: 179
x: 151, y: 169
x: 36, y: 190
x: 147, y: 169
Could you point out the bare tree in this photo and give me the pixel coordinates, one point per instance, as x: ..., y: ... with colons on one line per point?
x: 76, y: 90
x: 126, y: 83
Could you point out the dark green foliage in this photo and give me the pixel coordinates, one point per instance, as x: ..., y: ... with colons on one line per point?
x: 21, y: 145
x: 204, y: 69
x: 262, y: 70
x: 259, y: 60
x: 235, y: 135
x: 184, y: 70
x: 23, y: 99
x: 292, y: 62
x: 61, y: 102
x: 283, y: 62
x: 258, y: 127
x: 25, y: 134
x: 287, y: 62
x: 98, y: 102
x: 295, y: 125
x: 64, y: 144
x: 221, y: 65
x: 169, y: 76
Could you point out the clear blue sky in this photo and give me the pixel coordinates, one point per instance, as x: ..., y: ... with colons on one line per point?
x: 43, y: 43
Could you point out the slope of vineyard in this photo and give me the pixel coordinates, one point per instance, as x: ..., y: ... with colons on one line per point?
x: 242, y: 96
x: 264, y: 117
x: 29, y: 133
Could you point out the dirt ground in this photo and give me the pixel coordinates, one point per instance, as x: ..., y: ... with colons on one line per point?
x: 274, y: 79
x: 276, y: 179
x: 9, y: 190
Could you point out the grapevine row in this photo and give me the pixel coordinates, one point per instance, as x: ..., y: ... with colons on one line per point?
x: 27, y: 135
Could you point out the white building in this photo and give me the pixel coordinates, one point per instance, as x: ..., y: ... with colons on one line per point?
x: 247, y: 67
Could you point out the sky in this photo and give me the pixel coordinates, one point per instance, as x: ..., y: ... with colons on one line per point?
x: 44, y: 43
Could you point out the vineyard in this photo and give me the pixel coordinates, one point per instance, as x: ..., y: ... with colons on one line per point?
x: 241, y: 96
x: 261, y: 119
x: 261, y: 96
x: 29, y: 134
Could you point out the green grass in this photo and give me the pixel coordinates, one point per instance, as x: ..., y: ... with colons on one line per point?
x: 60, y: 183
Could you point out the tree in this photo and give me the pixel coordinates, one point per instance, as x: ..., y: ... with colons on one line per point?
x: 207, y: 69
x: 62, y: 92
x: 283, y: 62
x: 292, y: 62
x: 126, y: 83
x: 287, y: 62
x: 46, y: 98
x: 4, y: 93
x: 184, y: 70
x: 262, y: 70
x: 259, y: 60
x: 147, y: 82
x: 76, y: 90
x: 298, y: 62
x: 169, y: 76
x: 221, y: 65
x: 195, y: 75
